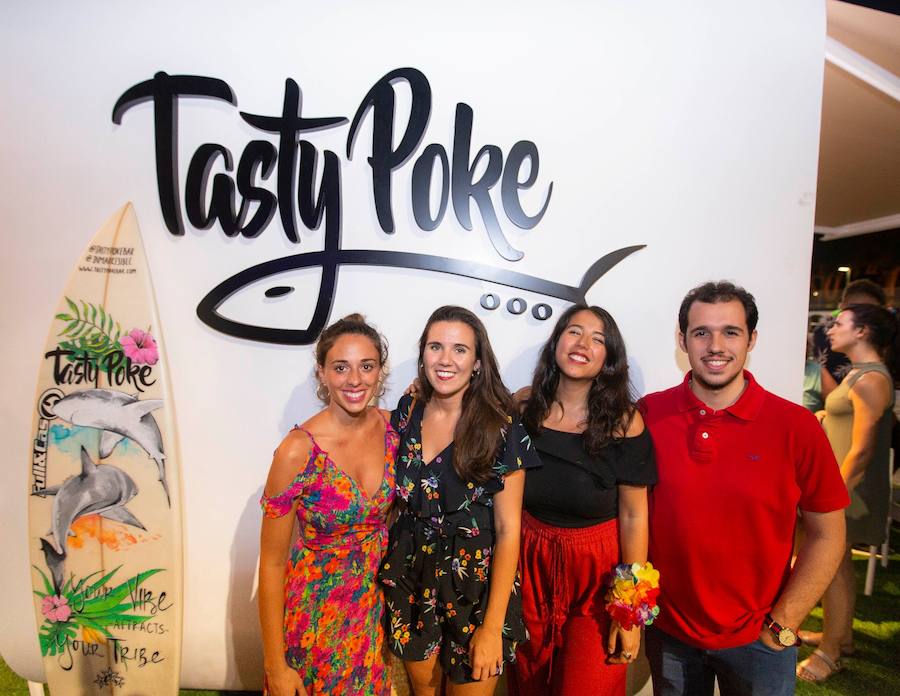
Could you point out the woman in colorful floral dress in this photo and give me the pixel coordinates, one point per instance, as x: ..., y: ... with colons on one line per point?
x: 319, y: 602
x: 450, y: 575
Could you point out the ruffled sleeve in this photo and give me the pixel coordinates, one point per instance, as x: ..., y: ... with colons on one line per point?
x: 635, y: 464
x: 517, y: 450
x: 280, y: 504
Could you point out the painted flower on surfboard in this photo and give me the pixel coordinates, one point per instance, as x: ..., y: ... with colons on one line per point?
x: 140, y: 347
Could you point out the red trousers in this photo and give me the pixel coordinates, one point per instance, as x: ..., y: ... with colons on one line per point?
x: 564, y: 580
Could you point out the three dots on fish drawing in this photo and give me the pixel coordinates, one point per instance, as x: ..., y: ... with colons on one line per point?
x: 541, y: 311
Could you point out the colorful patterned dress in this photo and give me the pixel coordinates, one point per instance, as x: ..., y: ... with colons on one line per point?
x: 332, y: 600
x: 437, y: 571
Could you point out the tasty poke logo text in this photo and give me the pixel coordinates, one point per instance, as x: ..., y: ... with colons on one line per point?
x: 308, y: 184
x: 295, y: 163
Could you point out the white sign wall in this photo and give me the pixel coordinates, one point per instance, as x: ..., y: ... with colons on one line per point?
x: 689, y: 128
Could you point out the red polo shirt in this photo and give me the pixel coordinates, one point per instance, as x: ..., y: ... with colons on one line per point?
x: 722, y: 515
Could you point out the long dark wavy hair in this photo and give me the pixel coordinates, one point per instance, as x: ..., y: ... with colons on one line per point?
x: 486, y: 403
x: 610, y: 401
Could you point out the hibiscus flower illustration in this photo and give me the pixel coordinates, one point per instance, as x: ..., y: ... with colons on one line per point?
x: 56, y: 608
x: 140, y: 347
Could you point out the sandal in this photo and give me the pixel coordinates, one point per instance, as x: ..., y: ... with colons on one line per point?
x: 817, y: 676
x: 815, y: 637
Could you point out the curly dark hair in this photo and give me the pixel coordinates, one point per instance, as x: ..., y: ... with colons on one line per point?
x: 486, y: 403
x: 610, y: 401
x: 715, y: 292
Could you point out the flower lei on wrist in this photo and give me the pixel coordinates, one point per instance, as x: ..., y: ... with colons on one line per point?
x: 631, y: 598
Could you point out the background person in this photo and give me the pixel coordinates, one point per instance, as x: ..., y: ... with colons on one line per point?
x: 858, y: 419
x: 585, y: 510
x: 836, y: 365
x: 451, y: 586
x: 320, y: 606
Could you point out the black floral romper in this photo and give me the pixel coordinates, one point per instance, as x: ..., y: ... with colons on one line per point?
x: 436, y: 571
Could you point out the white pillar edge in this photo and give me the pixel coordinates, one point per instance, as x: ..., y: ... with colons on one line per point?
x: 862, y: 68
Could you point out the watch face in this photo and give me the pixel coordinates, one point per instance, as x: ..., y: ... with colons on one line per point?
x: 786, y: 637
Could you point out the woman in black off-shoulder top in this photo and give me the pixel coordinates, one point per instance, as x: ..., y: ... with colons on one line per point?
x: 585, y: 509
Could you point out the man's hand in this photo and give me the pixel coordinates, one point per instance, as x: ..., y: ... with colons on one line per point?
x: 767, y: 638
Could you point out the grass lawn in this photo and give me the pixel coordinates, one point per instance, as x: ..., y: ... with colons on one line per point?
x: 873, y: 671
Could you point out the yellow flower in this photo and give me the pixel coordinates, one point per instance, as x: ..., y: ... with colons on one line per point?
x: 624, y: 591
x: 647, y: 572
x: 91, y: 635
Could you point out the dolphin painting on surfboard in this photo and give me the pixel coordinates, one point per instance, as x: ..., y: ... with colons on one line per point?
x: 104, y: 499
x: 99, y: 490
x: 118, y: 416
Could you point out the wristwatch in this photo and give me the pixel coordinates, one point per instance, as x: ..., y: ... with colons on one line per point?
x: 784, y: 635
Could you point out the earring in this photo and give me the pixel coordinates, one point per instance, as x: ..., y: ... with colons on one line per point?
x: 380, y: 391
x: 319, y: 392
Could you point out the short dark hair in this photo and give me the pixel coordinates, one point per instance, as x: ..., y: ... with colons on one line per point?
x: 713, y: 292
x: 867, y: 287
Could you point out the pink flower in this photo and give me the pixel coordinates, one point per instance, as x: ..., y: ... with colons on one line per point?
x: 140, y: 347
x: 56, y: 608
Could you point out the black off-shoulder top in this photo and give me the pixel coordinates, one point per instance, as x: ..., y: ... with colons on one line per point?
x: 573, y: 489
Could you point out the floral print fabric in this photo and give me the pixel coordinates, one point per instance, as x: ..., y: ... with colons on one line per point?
x: 332, y: 601
x: 437, y: 568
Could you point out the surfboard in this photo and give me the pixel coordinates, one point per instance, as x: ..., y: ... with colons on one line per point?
x: 104, y: 498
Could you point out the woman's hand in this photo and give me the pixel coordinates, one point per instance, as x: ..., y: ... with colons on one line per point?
x: 521, y: 396
x: 284, y: 681
x: 629, y: 643
x: 414, y: 389
x: 486, y: 653
x: 820, y: 415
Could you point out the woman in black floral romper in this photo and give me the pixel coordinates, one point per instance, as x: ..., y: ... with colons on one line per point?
x: 450, y: 576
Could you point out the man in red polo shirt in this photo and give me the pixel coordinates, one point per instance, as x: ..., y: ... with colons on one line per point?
x: 735, y: 464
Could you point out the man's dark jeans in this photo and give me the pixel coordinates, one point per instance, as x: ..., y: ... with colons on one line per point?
x: 754, y: 669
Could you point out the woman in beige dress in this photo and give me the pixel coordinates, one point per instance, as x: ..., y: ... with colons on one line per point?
x: 858, y: 418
